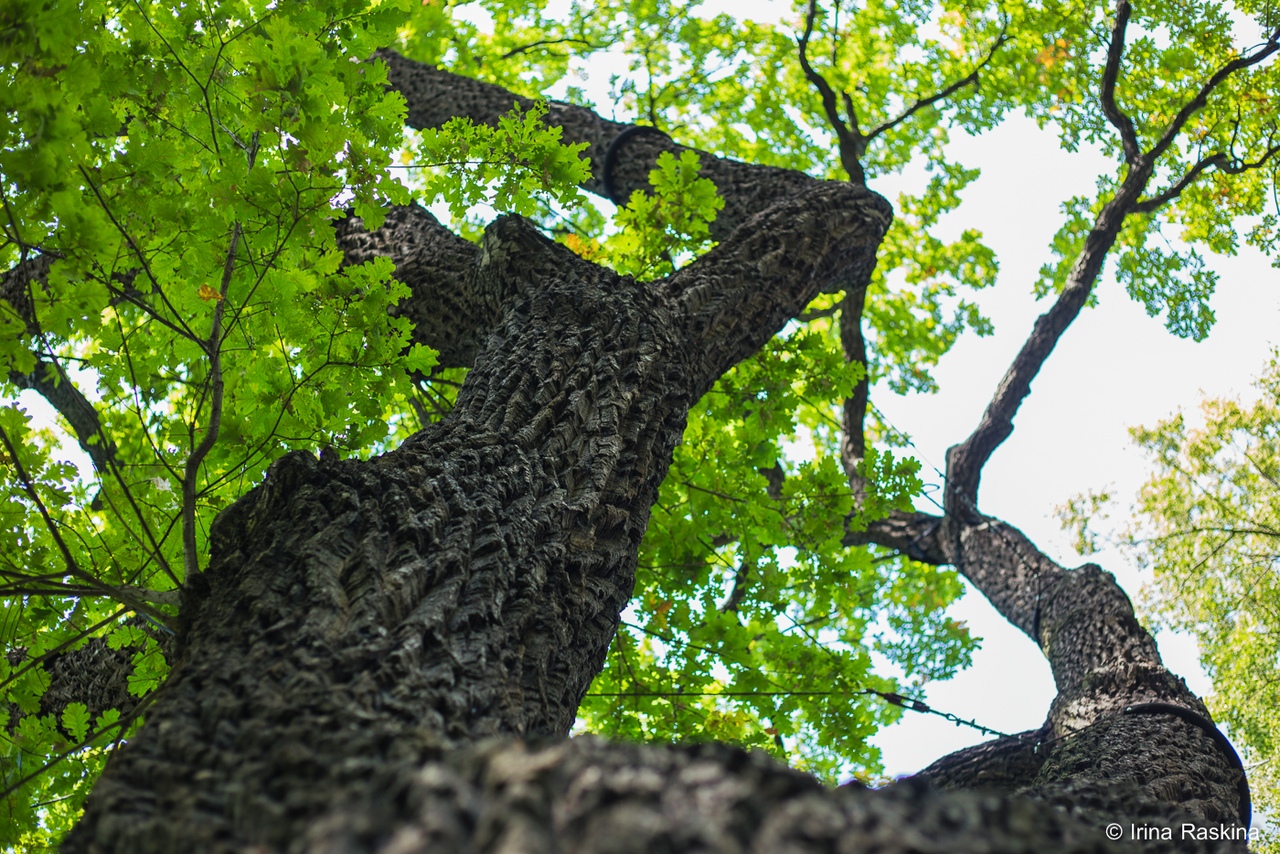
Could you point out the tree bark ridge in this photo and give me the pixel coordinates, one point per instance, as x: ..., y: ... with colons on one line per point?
x: 448, y: 305
x: 586, y: 795
x: 1103, y: 661
x: 467, y: 584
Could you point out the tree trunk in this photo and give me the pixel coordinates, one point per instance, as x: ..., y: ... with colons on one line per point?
x: 370, y: 637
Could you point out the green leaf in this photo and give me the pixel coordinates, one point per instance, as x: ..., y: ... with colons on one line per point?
x: 75, y: 720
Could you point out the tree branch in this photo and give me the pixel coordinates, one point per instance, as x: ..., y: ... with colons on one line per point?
x: 1201, y: 98
x: 447, y: 304
x: 919, y: 536
x: 435, y: 96
x: 704, y: 798
x: 969, y: 79
x: 1004, y: 764
x: 85, y: 669
x: 853, y: 444
x: 1219, y: 161
x: 51, y: 382
x: 1103, y: 660
x: 48, y: 379
x: 965, y: 460
x: 736, y: 297
x: 524, y: 48
x: 1115, y: 52
x: 122, y: 594
x: 851, y: 142
x: 213, y: 347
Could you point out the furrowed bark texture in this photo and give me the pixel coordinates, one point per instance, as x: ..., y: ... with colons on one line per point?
x: 435, y: 96
x: 93, y: 674
x: 1122, y: 729
x: 365, y: 630
x: 586, y: 795
x: 450, y: 306
x: 1097, y: 752
x: 360, y: 618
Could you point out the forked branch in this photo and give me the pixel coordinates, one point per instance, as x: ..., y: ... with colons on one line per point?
x: 965, y: 461
x: 126, y: 595
x: 1220, y: 162
x: 1197, y: 103
x: 1118, y: 119
x: 852, y: 142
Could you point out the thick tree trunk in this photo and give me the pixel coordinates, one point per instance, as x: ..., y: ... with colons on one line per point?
x: 368, y: 633
x: 360, y: 618
x: 1121, y: 723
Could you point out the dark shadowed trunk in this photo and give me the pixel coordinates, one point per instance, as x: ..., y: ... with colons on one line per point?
x: 370, y: 637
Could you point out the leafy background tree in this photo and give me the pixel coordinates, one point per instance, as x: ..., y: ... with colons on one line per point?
x: 194, y: 296
x: 1205, y: 525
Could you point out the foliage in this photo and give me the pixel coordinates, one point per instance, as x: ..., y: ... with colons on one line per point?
x: 736, y: 88
x: 751, y: 623
x: 181, y: 167
x: 1209, y: 528
x: 1219, y: 167
x: 510, y: 167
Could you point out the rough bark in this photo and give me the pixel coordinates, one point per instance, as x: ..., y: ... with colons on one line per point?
x: 1003, y: 765
x: 1120, y: 717
x: 1120, y: 720
x: 365, y: 629
x: 434, y: 96
x: 1105, y: 666
x: 586, y: 795
x: 362, y: 617
x: 93, y: 674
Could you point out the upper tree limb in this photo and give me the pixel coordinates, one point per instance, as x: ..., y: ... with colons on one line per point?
x: 435, y: 96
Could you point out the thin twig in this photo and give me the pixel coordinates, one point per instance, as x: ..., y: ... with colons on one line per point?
x: 1201, y: 98
x: 1219, y: 162
x: 118, y: 594
x: 191, y: 560
x: 516, y: 51
x: 968, y: 80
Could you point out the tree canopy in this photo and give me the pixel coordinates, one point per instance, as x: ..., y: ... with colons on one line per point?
x: 176, y: 182
x: 1205, y: 525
